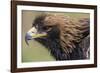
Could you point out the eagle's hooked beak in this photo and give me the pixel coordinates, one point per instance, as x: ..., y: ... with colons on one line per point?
x: 33, y: 33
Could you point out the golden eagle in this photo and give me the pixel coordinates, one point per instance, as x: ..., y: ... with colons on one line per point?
x: 67, y: 39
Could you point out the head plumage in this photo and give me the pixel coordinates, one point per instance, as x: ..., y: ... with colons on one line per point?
x: 71, y: 31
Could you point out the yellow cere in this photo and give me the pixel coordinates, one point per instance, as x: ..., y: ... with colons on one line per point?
x: 38, y: 35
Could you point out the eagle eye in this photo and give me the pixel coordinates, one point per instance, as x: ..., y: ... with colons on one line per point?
x: 47, y: 27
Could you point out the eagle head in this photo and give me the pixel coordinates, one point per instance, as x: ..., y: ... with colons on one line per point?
x: 58, y: 31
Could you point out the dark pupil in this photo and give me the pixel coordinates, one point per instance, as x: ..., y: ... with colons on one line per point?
x: 46, y: 27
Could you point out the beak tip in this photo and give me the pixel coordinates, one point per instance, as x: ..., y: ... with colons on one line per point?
x: 27, y: 38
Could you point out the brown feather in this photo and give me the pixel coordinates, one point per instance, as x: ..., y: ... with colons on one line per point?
x: 71, y: 31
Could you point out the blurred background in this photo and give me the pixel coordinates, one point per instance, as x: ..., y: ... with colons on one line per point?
x: 35, y: 51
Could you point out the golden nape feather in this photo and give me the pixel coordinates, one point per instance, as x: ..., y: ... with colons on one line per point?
x: 71, y: 31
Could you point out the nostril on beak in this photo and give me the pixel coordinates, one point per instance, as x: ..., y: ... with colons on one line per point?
x: 27, y: 38
x: 33, y: 32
